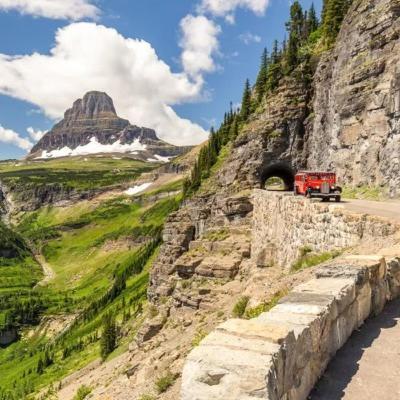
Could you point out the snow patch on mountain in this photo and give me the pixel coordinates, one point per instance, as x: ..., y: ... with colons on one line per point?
x: 158, y: 158
x: 138, y: 188
x: 94, y: 147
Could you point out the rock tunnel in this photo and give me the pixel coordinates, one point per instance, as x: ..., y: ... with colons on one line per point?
x: 279, y: 170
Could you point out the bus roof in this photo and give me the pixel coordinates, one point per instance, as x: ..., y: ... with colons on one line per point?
x: 315, y: 173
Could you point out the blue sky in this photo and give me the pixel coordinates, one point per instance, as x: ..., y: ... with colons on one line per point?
x: 187, y: 61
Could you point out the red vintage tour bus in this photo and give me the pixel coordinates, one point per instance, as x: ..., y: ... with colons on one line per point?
x: 317, y: 184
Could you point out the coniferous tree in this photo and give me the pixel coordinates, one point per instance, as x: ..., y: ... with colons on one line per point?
x: 40, y: 366
x: 284, y: 45
x: 295, y: 28
x: 333, y: 14
x: 109, y: 336
x: 246, y: 101
x: 48, y: 359
x: 234, y: 129
x: 275, y: 52
x: 261, y: 82
x: 312, y: 19
x: 196, y: 175
x: 274, y: 68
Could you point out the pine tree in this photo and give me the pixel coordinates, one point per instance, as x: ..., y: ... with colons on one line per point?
x: 334, y: 12
x: 234, y: 130
x: 284, y: 45
x: 275, y: 52
x: 246, y: 101
x: 109, y: 336
x: 48, y: 359
x: 274, y: 68
x: 312, y: 19
x: 261, y: 82
x: 295, y: 28
x: 196, y: 176
x: 40, y: 366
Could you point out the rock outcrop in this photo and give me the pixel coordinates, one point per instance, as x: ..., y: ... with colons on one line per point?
x: 3, y: 204
x: 30, y: 197
x: 209, y: 238
x: 92, y: 125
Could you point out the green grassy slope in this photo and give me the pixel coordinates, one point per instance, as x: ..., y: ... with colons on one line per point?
x: 19, y: 273
x: 80, y: 173
x: 100, y: 252
x: 18, y: 269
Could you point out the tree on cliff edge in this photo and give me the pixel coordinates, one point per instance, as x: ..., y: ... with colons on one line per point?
x: 261, y: 82
x: 295, y: 28
x: 246, y: 101
x: 333, y: 14
x: 108, y: 340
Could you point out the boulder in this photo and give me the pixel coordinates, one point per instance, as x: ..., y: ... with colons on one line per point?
x: 219, y: 267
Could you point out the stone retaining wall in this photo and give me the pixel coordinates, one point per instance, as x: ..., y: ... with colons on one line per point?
x: 281, y: 354
x: 283, y: 224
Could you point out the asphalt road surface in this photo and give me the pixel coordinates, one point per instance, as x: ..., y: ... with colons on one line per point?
x: 367, y: 367
x: 386, y: 209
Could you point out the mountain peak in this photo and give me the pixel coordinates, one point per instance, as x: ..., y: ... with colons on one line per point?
x: 94, y: 104
x: 92, y: 126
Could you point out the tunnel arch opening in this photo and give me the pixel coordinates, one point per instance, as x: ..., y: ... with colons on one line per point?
x: 278, y: 172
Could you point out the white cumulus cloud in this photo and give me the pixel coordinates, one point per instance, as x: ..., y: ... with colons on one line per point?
x: 248, y: 38
x: 226, y: 8
x: 36, y: 135
x: 55, y: 9
x: 199, y: 43
x: 87, y: 56
x: 11, y: 137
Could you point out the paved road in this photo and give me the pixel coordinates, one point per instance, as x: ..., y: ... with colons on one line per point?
x: 387, y: 209
x: 367, y: 367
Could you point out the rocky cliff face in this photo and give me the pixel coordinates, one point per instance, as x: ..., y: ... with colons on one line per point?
x: 356, y: 124
x: 22, y: 198
x: 5, y: 204
x: 92, y: 126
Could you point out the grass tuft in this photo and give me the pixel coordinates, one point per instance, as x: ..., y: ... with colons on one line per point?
x: 164, y: 382
x: 254, y: 312
x: 82, y: 392
x: 198, y: 337
x: 240, y: 307
x: 308, y: 259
